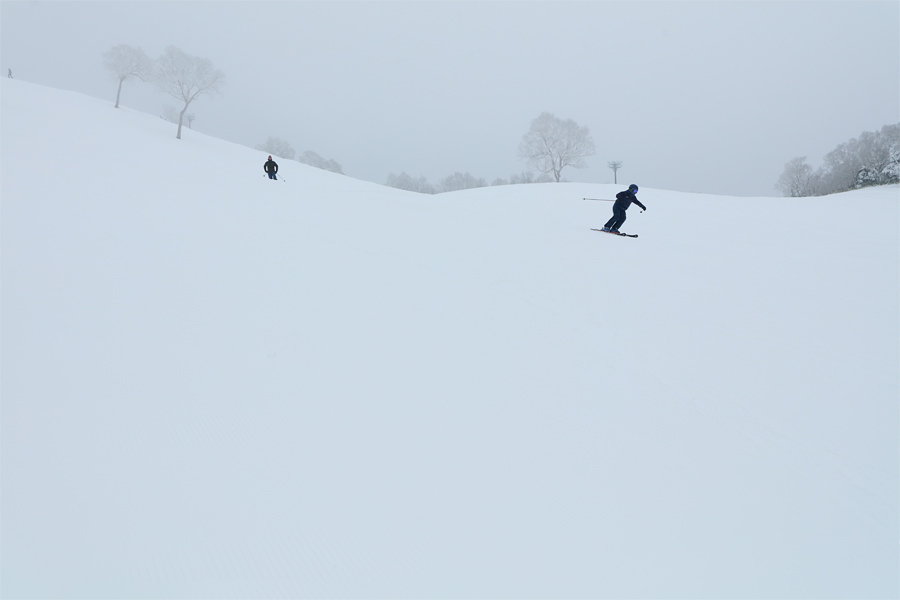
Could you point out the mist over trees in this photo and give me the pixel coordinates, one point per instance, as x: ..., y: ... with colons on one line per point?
x: 277, y: 147
x: 460, y: 181
x: 314, y: 160
x: 451, y: 183
x: 552, y: 144
x: 403, y: 181
x: 169, y: 113
x: 523, y: 177
x: 871, y: 159
x: 125, y: 63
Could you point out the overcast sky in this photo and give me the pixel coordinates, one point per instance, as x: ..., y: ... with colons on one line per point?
x: 692, y: 96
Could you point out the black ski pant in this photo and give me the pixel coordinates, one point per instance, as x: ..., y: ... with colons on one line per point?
x: 617, y: 219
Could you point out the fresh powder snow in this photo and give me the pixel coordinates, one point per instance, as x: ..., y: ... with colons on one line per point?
x: 215, y: 385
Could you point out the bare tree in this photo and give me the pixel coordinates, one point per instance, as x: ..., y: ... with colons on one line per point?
x: 277, y: 147
x: 124, y: 62
x: 615, y: 165
x: 553, y: 144
x: 186, y: 77
x: 797, y: 180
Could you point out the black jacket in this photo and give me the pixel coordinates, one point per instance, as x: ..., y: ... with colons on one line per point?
x: 271, y: 166
x: 624, y: 200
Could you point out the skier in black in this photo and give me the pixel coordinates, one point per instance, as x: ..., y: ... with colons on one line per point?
x: 623, y: 201
x: 271, y: 167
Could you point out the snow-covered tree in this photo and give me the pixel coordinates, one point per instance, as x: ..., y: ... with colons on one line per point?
x: 840, y: 168
x: 277, y: 147
x: 125, y: 63
x: 862, y: 161
x: 169, y: 113
x: 879, y: 152
x: 553, y: 144
x: 406, y: 182
x: 891, y: 172
x: 460, y: 181
x: 797, y: 179
x: 314, y: 160
x: 523, y: 177
x: 185, y: 77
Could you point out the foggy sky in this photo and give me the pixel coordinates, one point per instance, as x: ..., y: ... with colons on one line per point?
x: 710, y: 97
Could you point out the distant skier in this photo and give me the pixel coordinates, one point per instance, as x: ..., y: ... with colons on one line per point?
x: 623, y: 201
x: 271, y: 167
x: 10, y: 74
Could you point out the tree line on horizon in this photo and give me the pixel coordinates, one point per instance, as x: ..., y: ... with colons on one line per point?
x: 550, y: 145
x: 871, y: 159
x: 458, y: 181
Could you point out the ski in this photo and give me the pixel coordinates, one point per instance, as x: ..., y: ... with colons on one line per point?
x: 614, y: 233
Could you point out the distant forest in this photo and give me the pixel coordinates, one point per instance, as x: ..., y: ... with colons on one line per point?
x: 871, y: 159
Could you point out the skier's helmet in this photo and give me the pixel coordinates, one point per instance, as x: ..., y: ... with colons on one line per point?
x: 270, y: 157
x: 633, y: 188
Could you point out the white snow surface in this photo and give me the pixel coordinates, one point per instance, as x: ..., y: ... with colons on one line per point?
x: 217, y: 385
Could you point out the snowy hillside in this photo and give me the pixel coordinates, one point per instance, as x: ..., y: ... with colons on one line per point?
x: 216, y: 385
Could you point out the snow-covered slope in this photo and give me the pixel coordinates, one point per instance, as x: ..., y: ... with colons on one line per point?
x: 216, y: 385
